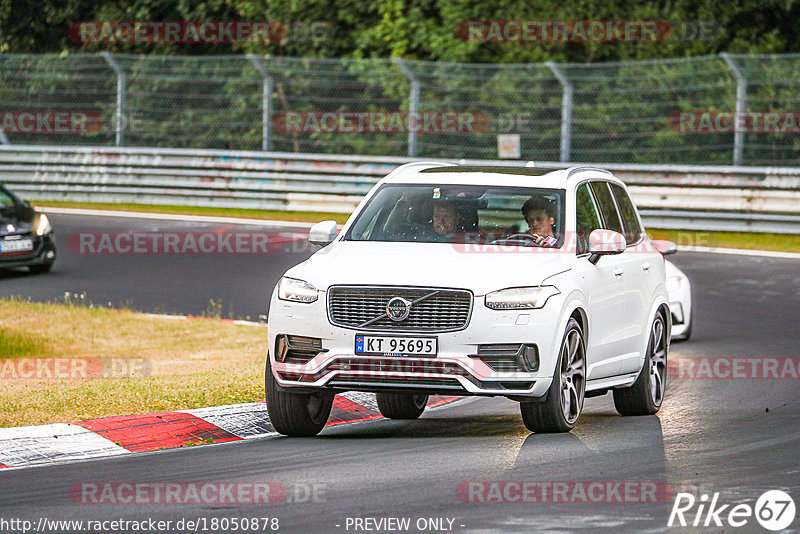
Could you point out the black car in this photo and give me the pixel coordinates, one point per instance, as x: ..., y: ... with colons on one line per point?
x: 26, y: 238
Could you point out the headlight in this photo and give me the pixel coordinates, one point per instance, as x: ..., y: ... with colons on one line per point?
x: 296, y: 290
x: 43, y: 225
x: 673, y: 283
x: 520, y: 298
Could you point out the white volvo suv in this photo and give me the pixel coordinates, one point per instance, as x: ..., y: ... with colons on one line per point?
x: 536, y: 284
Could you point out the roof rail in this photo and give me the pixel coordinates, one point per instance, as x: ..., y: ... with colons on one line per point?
x: 581, y: 168
x: 426, y: 164
x: 414, y: 164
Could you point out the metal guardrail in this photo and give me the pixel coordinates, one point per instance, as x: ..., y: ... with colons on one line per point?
x: 761, y: 199
x: 651, y: 110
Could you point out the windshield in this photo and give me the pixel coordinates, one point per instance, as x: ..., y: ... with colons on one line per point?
x: 7, y: 205
x: 462, y: 213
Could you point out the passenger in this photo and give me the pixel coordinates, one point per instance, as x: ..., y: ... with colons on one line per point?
x: 540, y: 216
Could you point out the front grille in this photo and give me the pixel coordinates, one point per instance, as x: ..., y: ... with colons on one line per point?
x: 442, y: 310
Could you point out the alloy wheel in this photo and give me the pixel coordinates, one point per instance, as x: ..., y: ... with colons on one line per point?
x: 573, y: 375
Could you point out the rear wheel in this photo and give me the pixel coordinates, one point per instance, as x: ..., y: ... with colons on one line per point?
x: 645, y: 396
x: 296, y: 414
x: 565, y: 397
x: 401, y: 405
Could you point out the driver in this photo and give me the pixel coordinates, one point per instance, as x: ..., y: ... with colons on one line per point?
x: 540, y: 216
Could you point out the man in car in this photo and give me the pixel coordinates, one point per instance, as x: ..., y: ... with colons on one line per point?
x: 540, y: 216
x: 445, y: 219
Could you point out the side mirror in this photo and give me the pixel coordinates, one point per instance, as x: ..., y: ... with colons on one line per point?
x: 323, y: 233
x: 665, y: 247
x: 26, y: 209
x: 605, y: 242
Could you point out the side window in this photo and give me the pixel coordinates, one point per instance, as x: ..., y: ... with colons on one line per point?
x: 633, y: 232
x: 586, y: 217
x: 607, y: 208
x: 5, y: 199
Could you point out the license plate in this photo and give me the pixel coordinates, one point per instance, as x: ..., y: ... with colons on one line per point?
x: 17, y: 245
x: 396, y: 345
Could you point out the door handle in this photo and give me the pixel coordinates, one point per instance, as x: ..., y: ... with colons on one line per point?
x: 645, y: 267
x: 618, y: 271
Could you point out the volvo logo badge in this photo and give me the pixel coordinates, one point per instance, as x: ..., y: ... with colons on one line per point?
x: 398, y: 308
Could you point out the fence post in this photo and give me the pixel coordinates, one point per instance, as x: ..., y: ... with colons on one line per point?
x: 741, y: 103
x: 266, y: 100
x: 120, y: 122
x: 566, y: 110
x: 413, y: 104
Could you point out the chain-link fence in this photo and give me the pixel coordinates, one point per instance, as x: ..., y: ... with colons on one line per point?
x: 707, y: 110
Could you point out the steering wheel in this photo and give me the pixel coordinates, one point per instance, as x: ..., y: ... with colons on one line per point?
x: 522, y: 240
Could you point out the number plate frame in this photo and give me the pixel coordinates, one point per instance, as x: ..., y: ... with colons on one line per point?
x: 8, y: 246
x: 361, y: 342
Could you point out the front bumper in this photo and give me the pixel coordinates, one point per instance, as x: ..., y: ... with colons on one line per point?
x: 457, y: 368
x: 44, y: 251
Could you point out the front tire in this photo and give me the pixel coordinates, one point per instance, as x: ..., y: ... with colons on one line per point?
x: 401, y: 405
x: 295, y: 414
x: 645, y: 396
x: 565, y: 396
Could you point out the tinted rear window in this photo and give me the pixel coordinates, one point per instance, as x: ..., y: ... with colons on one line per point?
x: 633, y: 232
x: 607, y: 208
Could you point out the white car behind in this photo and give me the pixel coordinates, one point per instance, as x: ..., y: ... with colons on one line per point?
x: 679, y: 290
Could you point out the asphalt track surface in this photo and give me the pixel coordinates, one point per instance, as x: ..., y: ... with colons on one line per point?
x: 739, y: 437
x: 232, y: 282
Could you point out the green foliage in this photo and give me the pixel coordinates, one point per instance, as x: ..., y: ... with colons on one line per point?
x: 210, y: 95
x: 413, y: 29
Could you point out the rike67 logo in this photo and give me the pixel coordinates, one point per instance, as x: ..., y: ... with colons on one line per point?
x: 774, y: 510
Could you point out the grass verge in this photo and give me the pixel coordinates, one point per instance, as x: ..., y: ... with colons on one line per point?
x: 191, y: 364
x: 743, y: 240
x: 274, y: 215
